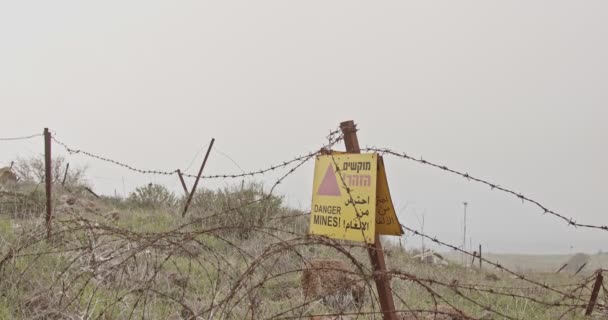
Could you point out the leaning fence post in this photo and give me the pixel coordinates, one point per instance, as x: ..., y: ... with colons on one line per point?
x: 181, y: 178
x: 581, y: 268
x: 599, y: 280
x: 65, y: 175
x: 48, y: 180
x: 200, y: 172
x: 376, y: 254
x: 91, y: 192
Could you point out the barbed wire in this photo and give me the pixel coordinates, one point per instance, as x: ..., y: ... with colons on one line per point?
x: 343, y: 315
x: 494, y: 264
x: 280, y: 180
x: 139, y: 258
x: 22, y: 138
x: 111, y: 269
x: 457, y: 289
x: 115, y: 162
x: 333, y: 138
x: 493, y: 186
x: 506, y: 288
x: 253, y: 173
x: 455, y: 286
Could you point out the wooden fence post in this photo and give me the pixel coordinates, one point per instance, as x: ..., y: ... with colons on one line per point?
x: 48, y: 180
x: 376, y: 254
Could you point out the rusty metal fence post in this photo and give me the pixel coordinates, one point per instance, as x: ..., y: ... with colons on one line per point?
x: 48, y: 180
x: 181, y: 179
x: 480, y: 258
x: 200, y: 172
x: 376, y: 254
x: 599, y: 280
x: 65, y: 174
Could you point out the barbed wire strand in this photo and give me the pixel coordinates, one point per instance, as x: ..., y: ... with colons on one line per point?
x: 493, y: 186
x: 494, y: 264
x: 108, y: 160
x: 333, y: 138
x: 22, y: 138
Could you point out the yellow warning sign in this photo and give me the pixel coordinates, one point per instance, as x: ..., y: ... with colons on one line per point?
x: 351, y: 198
x: 344, y: 197
x: 386, y: 217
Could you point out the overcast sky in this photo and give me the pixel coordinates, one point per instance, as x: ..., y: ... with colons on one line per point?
x: 515, y: 92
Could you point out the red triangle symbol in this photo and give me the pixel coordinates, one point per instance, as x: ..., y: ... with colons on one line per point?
x: 329, y: 186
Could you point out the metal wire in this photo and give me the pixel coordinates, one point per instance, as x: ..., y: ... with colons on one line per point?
x: 138, y: 258
x: 115, y: 162
x: 333, y: 138
x: 22, y: 138
x: 494, y: 264
x: 493, y: 186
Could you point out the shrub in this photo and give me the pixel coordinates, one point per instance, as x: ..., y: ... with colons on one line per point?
x: 23, y: 200
x: 152, y: 196
x: 32, y: 170
x: 241, y: 208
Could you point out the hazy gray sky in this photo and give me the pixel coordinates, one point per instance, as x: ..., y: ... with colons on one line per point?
x: 514, y: 91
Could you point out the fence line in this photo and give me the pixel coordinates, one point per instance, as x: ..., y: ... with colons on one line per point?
x: 98, y: 254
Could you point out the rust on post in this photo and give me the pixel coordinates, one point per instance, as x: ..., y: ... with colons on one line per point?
x: 376, y: 254
x: 65, y: 174
x: 198, y: 177
x: 181, y: 178
x: 48, y: 180
x: 599, y: 280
